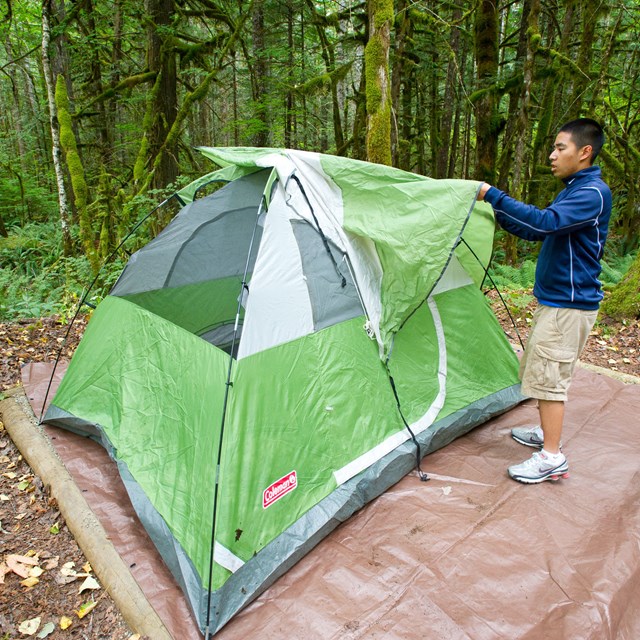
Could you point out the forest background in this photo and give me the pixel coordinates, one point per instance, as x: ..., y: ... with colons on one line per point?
x: 104, y: 102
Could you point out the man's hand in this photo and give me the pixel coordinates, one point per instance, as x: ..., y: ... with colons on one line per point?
x: 483, y: 190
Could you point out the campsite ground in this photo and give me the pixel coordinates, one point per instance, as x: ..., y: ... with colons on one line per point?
x: 31, y: 525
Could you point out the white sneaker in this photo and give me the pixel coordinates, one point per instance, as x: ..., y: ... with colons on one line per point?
x: 530, y: 436
x: 539, y: 468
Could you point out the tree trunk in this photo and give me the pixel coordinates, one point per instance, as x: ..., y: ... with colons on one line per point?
x: 512, y: 129
x: 260, y: 72
x: 486, y: 49
x: 589, y: 11
x: 164, y: 98
x: 378, y: 88
x: 360, y: 119
x: 449, y: 102
x: 289, y: 103
x: 400, y: 79
x: 63, y: 201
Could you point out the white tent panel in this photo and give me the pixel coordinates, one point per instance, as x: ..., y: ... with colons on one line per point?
x: 326, y: 199
x: 278, y: 306
x: 453, y: 277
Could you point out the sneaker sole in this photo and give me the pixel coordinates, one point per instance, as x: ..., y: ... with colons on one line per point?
x: 555, y: 476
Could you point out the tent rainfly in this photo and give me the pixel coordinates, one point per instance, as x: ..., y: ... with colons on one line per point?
x: 281, y: 354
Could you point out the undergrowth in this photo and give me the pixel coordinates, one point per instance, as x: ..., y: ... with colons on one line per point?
x: 36, y: 280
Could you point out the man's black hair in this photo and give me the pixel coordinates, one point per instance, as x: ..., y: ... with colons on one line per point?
x: 585, y: 131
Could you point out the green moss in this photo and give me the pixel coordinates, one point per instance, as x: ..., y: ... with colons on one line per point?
x: 141, y: 160
x: 375, y: 59
x: 382, y: 13
x: 76, y: 170
x: 379, y: 137
x: 624, y: 301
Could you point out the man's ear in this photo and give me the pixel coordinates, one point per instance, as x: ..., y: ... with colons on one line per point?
x: 586, y: 152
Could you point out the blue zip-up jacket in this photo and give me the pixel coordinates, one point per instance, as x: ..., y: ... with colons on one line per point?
x: 573, y: 230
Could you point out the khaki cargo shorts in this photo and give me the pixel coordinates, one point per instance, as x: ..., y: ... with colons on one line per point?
x: 555, y: 343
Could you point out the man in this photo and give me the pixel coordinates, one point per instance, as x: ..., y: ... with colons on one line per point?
x: 573, y: 230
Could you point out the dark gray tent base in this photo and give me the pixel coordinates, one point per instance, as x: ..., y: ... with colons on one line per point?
x: 281, y: 554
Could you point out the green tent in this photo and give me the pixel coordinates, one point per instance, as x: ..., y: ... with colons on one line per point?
x: 276, y: 357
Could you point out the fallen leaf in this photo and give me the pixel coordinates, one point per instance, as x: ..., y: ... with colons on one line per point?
x: 11, y: 475
x: 51, y: 563
x: 54, y: 529
x: 48, y: 629
x: 4, y: 497
x: 87, y: 567
x: 135, y: 636
x: 36, y: 572
x: 20, y: 564
x: 25, y: 484
x: 29, y: 582
x: 68, y: 570
x: 29, y: 627
x: 86, y: 608
x: 3, y: 572
x: 65, y: 622
x: 89, y: 583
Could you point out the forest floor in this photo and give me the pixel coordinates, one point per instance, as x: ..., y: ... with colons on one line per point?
x: 45, y: 581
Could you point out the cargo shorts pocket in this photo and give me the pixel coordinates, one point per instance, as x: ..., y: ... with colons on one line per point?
x: 552, y: 368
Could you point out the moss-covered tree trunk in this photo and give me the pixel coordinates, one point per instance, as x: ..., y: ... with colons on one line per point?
x: 449, y: 102
x: 76, y: 172
x: 378, y: 88
x: 63, y: 201
x: 401, y: 89
x: 157, y: 153
x: 259, y: 76
x: 487, y: 122
x: 589, y: 12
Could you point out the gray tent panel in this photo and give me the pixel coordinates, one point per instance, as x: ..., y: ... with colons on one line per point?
x: 207, y: 240
x: 324, y: 274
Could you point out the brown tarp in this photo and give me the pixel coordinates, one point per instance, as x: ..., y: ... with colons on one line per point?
x: 469, y: 554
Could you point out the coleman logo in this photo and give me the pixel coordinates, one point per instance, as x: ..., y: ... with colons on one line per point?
x: 279, y: 488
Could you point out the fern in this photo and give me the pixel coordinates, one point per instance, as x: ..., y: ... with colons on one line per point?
x: 507, y: 277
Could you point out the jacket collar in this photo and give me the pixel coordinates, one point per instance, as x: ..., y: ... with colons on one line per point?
x: 590, y: 172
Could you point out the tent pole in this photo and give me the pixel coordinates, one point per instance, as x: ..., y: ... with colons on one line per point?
x: 244, y: 287
x: 495, y: 286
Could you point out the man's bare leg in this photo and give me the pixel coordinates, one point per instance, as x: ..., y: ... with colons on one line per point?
x: 551, y: 419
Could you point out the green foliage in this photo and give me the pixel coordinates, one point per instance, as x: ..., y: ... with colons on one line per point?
x: 624, y: 301
x: 507, y: 277
x: 614, y: 268
x: 36, y: 280
x: 522, y: 277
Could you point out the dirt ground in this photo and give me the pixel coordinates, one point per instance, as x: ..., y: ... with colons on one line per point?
x: 43, y: 573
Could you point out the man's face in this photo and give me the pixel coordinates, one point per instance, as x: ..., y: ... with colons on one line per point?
x: 566, y: 158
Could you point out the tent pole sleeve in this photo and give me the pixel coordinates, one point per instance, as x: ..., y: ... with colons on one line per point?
x: 244, y: 287
x: 324, y: 238
x: 421, y: 474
